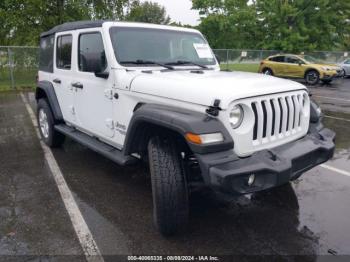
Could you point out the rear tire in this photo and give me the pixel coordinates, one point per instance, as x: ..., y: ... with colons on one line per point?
x: 312, y: 77
x: 169, y: 186
x: 45, y: 119
x: 267, y: 71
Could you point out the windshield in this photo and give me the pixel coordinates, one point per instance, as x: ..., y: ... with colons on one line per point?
x: 132, y: 44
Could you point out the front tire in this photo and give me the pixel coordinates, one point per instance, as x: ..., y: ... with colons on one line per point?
x: 344, y: 74
x: 49, y: 135
x: 312, y: 77
x: 169, y: 186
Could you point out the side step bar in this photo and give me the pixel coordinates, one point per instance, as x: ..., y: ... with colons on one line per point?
x: 96, y: 145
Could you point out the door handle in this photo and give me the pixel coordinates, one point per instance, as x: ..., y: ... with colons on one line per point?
x: 57, y: 81
x: 77, y: 85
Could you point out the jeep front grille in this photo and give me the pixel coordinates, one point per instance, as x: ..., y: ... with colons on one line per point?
x: 277, y: 117
x: 270, y: 120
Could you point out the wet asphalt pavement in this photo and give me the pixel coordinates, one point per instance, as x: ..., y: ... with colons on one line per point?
x: 310, y: 216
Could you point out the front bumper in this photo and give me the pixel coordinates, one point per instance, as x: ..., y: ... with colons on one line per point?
x: 226, y: 172
x: 330, y: 75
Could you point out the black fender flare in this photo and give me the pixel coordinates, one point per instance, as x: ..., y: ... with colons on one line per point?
x: 46, y: 89
x: 178, y: 120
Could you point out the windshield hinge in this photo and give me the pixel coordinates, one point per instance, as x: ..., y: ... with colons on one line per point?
x: 214, y: 109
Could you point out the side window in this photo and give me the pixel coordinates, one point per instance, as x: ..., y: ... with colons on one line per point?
x: 64, y: 52
x: 292, y: 60
x: 347, y: 62
x: 46, y: 53
x: 279, y: 59
x: 92, y: 57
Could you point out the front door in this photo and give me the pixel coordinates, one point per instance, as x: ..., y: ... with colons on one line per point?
x: 93, y: 98
x: 293, y: 67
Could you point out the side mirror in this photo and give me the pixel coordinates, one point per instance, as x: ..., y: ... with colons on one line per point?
x: 218, y: 59
x: 103, y: 74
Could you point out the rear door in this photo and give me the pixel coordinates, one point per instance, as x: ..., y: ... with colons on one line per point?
x: 93, y: 97
x: 63, y: 73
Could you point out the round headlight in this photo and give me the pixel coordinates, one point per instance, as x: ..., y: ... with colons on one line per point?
x: 236, y: 116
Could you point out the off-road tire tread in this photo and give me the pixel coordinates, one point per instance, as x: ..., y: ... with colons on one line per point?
x: 169, y: 187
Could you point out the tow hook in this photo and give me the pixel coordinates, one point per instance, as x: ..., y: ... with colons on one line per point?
x: 214, y: 109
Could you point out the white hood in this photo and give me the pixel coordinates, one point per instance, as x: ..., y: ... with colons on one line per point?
x: 204, y: 88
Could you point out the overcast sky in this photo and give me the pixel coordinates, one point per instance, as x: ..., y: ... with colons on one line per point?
x: 180, y: 11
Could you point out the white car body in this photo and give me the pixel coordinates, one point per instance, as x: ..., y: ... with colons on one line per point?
x: 345, y: 65
x: 95, y: 112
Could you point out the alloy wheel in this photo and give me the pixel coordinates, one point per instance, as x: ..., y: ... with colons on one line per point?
x: 43, y: 122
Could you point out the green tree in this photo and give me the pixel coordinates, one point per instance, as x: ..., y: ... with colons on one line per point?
x: 229, y: 23
x: 287, y: 25
x: 301, y: 25
x: 23, y: 20
x: 109, y: 9
x: 26, y: 19
x: 148, y: 12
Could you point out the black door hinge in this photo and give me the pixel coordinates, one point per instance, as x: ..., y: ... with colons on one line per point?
x: 214, y: 109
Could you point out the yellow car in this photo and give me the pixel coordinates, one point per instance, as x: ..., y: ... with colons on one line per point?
x: 294, y: 66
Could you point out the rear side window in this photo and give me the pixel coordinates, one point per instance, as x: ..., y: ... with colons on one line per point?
x: 92, y: 56
x: 46, y: 53
x: 277, y: 59
x: 64, y: 52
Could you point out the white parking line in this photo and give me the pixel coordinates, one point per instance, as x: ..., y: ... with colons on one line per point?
x: 333, y: 98
x: 337, y: 170
x: 338, y: 118
x: 87, y: 242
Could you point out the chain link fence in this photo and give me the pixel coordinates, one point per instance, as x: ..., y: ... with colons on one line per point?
x: 19, y: 64
x: 249, y: 60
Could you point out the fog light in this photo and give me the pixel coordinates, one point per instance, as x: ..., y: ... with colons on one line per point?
x: 251, y: 179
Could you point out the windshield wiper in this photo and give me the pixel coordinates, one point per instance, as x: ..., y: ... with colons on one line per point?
x: 184, y: 62
x: 147, y: 62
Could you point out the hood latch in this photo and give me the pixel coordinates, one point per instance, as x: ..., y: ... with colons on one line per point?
x: 214, y: 109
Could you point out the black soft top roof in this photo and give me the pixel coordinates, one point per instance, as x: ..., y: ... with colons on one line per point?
x: 73, y: 26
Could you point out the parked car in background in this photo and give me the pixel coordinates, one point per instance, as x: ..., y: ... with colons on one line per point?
x: 294, y: 66
x: 345, y: 65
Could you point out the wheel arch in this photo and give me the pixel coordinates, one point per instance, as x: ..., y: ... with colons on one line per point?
x: 311, y: 69
x: 150, y: 119
x: 45, y: 90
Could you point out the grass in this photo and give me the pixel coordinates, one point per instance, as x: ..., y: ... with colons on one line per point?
x: 241, y: 67
x: 23, y: 79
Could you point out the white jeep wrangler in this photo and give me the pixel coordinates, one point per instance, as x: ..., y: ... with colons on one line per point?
x: 134, y: 92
